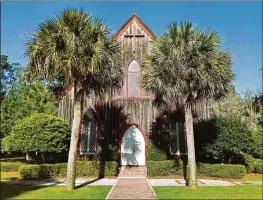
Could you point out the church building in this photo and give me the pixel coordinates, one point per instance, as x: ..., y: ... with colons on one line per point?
x: 125, y: 123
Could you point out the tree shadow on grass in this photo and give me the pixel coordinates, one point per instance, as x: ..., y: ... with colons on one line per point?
x: 12, y: 190
x: 87, y: 183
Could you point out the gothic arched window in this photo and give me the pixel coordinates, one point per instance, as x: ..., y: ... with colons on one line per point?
x: 133, y: 80
x: 88, y: 139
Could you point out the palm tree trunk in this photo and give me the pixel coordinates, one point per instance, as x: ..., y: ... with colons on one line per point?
x: 72, y: 156
x: 192, y: 182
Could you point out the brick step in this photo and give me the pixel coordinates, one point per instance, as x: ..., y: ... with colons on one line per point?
x: 133, y: 171
x: 132, y: 174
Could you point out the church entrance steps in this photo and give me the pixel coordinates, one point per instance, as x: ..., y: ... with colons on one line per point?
x: 132, y: 188
x: 133, y: 171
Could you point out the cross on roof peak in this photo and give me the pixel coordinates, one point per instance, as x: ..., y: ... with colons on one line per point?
x: 134, y: 18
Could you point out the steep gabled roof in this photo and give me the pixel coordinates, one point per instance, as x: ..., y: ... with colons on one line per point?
x: 135, y: 18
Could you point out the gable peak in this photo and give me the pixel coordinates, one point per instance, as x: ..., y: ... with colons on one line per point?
x: 134, y: 18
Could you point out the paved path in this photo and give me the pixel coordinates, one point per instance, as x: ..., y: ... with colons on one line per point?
x: 132, y: 188
x: 181, y: 182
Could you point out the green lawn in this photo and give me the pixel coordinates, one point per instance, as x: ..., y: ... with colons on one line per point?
x: 9, y: 175
x: 253, y: 177
x: 14, y: 159
x: 21, y: 191
x: 210, y: 192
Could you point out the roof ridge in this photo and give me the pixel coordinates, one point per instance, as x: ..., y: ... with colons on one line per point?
x: 129, y: 21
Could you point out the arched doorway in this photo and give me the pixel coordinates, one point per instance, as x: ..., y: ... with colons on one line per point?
x: 133, y: 146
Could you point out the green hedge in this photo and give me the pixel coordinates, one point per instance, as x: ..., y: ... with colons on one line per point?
x: 154, y: 168
x: 9, y: 166
x: 221, y: 170
x: 84, y: 168
x: 164, y: 168
x: 155, y: 154
x: 29, y: 171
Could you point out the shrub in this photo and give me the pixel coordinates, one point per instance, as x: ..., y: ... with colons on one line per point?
x: 39, y: 134
x: 221, y: 170
x: 83, y: 168
x: 169, y: 167
x: 9, y: 166
x: 252, y: 164
x: 223, y: 139
x: 257, y: 146
x: 249, y: 163
x: 258, y: 168
x: 165, y: 168
x: 58, y: 169
x: 155, y: 154
x: 29, y: 171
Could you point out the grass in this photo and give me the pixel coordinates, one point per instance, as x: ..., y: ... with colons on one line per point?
x: 20, y: 159
x: 253, y: 177
x: 22, y: 191
x: 9, y: 175
x: 209, y: 192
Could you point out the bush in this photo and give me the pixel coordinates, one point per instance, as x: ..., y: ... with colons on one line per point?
x: 169, y: 167
x: 29, y: 171
x: 58, y: 169
x: 83, y: 168
x: 221, y: 170
x: 9, y: 166
x: 38, y: 135
x: 165, y: 168
x: 258, y: 168
x: 223, y: 139
x: 155, y: 154
x: 252, y: 164
x: 249, y: 163
x: 257, y: 145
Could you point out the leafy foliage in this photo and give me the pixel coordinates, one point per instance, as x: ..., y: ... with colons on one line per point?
x: 169, y: 167
x: 29, y: 171
x: 10, y: 76
x: 237, y: 106
x: 155, y: 154
x: 185, y: 66
x: 165, y: 168
x: 243, y: 108
x: 9, y: 166
x: 259, y: 167
x: 39, y: 134
x: 221, y: 170
x: 83, y: 168
x: 75, y: 47
x: 223, y: 139
x: 252, y: 164
x: 23, y: 100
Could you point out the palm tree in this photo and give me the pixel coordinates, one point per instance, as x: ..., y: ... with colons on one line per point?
x: 75, y: 48
x: 184, y: 68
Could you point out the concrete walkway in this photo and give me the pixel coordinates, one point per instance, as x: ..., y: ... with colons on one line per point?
x: 134, y: 188
x: 152, y: 182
